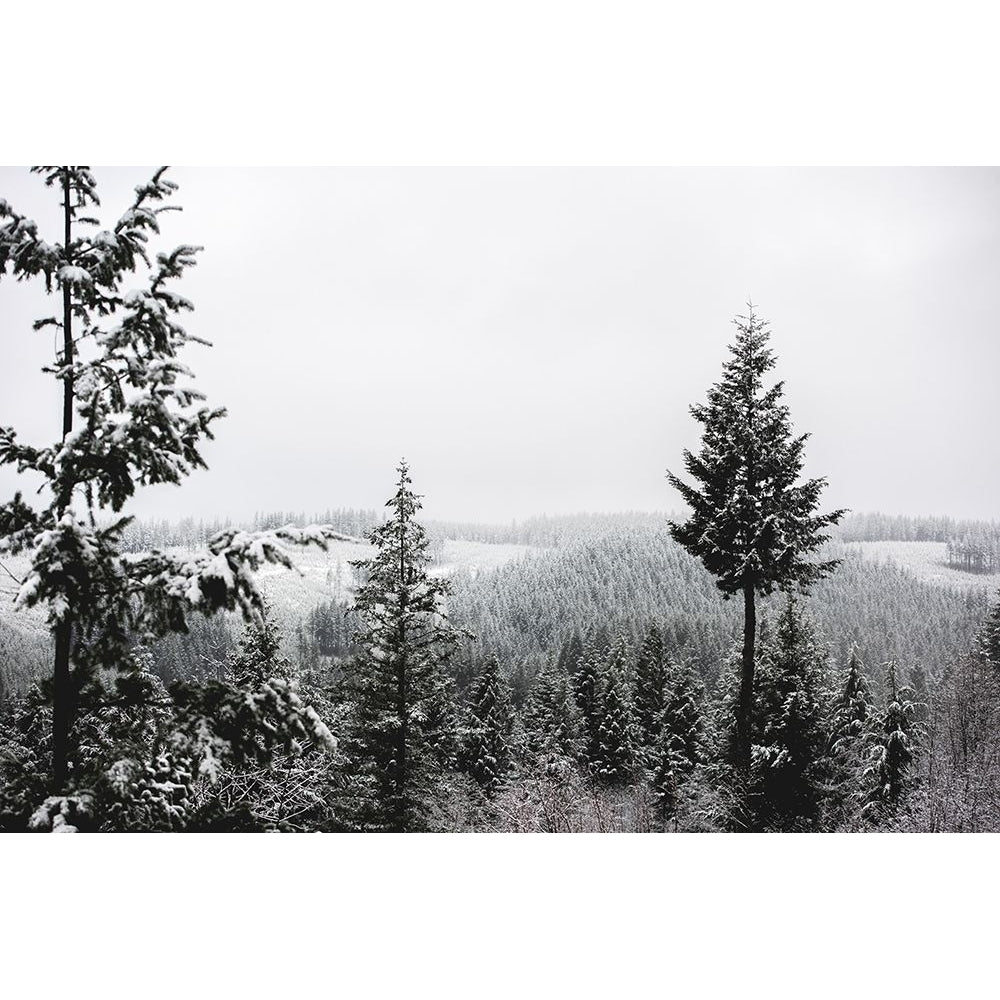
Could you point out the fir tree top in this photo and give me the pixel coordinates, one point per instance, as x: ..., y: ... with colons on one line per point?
x: 752, y: 522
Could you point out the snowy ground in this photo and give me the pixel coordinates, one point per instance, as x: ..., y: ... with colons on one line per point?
x: 926, y: 561
x: 326, y: 575
x: 320, y: 576
x: 479, y: 557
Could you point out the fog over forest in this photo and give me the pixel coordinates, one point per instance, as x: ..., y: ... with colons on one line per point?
x: 530, y: 339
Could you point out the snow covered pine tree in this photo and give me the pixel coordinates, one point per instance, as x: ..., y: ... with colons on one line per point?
x: 790, y: 763
x: 616, y: 730
x: 650, y: 680
x: 488, y: 739
x: 893, y: 751
x: 750, y: 524
x: 127, y: 421
x: 851, y: 728
x: 405, y: 693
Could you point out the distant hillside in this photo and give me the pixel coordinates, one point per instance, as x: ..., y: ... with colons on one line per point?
x: 876, y: 527
x: 524, y: 588
x: 633, y: 576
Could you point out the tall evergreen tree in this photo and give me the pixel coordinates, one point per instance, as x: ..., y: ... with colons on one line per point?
x: 851, y: 736
x: 552, y: 721
x: 488, y: 737
x: 893, y: 752
x: 679, y: 747
x: 128, y: 419
x: 258, y: 657
x: 650, y: 679
x: 616, y: 731
x: 570, y: 654
x: 851, y: 721
x: 681, y: 725
x: 404, y: 692
x: 790, y: 761
x: 587, y: 694
x: 752, y: 524
x: 921, y: 688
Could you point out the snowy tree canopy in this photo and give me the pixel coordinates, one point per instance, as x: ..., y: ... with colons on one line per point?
x: 752, y: 522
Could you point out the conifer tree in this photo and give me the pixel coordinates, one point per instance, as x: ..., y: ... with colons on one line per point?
x: 722, y: 709
x: 488, y: 738
x: 616, y: 732
x: 587, y: 694
x: 552, y: 721
x: 127, y: 420
x: 681, y: 721
x: 790, y: 742
x: 650, y: 679
x: 537, y: 716
x: 679, y: 747
x: 258, y: 657
x: 851, y: 720
x: 893, y: 751
x: 851, y: 736
x: 921, y: 689
x: 404, y: 735
x: 570, y: 654
x: 988, y: 639
x: 751, y: 524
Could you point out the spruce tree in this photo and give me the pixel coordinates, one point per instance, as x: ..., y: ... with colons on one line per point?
x: 851, y: 736
x: 537, y: 715
x: 650, y: 679
x: 587, y: 694
x: 127, y: 418
x: 851, y: 720
x: 921, y: 689
x: 681, y: 724
x: 488, y: 737
x: 752, y: 523
x: 679, y: 746
x: 790, y: 761
x: 616, y: 731
x: 258, y: 657
x: 893, y: 751
x: 552, y: 721
x: 404, y: 736
x: 570, y: 654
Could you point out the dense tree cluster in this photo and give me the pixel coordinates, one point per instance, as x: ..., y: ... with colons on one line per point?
x: 877, y: 527
x: 975, y: 550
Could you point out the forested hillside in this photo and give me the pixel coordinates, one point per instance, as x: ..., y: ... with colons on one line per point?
x: 581, y: 574
x: 635, y: 575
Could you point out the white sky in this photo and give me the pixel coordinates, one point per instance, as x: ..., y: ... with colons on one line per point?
x: 531, y: 338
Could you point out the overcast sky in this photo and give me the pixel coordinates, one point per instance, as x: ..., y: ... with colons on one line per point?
x: 530, y: 339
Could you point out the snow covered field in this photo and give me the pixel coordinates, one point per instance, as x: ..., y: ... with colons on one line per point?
x: 479, y: 557
x: 320, y: 577
x: 926, y: 561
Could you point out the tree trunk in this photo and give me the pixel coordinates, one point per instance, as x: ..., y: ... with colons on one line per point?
x: 61, y: 720
x: 61, y: 688
x: 744, y: 711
